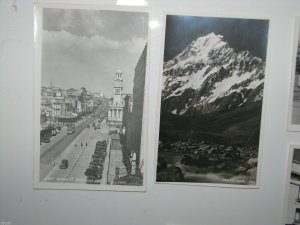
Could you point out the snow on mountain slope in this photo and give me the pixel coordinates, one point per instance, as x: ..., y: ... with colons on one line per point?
x: 208, y: 75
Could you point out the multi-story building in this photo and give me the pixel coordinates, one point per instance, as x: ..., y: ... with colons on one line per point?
x: 133, y: 130
x: 115, y: 108
x: 79, y: 106
x: 62, y: 105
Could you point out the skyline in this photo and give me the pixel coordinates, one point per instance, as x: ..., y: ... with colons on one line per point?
x: 85, y: 48
x: 92, y: 92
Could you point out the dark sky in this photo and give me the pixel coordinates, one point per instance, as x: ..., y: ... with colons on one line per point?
x: 241, y: 34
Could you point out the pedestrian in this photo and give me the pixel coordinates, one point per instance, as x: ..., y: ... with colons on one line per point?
x: 81, y: 144
x: 85, y: 143
x: 75, y: 145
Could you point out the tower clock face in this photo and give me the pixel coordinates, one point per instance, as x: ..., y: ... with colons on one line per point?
x: 118, y: 82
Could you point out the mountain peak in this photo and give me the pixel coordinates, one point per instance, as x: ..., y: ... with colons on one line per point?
x: 198, y: 50
x: 209, y: 41
x: 208, y: 75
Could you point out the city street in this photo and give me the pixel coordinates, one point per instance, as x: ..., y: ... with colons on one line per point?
x: 79, y: 154
x: 78, y: 149
x: 50, y: 151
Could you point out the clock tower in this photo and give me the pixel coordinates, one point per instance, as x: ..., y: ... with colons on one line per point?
x: 118, y: 88
x: 115, y: 108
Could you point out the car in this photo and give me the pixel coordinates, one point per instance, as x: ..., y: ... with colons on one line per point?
x: 99, y: 153
x: 64, y: 164
x: 92, y: 163
x: 91, y: 180
x: 98, y: 167
x: 93, y: 173
x: 100, y: 144
x: 45, y: 139
x: 113, y: 132
x: 97, y: 159
x: 99, y: 147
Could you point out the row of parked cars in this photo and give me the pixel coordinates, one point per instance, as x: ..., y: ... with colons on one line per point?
x: 45, y: 137
x: 94, y: 172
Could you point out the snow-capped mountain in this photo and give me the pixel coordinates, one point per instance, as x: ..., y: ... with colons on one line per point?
x: 208, y: 75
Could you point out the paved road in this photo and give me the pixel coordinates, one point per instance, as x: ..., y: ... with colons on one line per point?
x: 79, y: 158
x: 56, y: 149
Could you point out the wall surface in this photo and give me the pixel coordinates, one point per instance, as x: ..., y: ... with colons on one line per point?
x: 162, y: 204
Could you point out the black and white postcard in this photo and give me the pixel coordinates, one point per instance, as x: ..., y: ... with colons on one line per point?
x: 294, y: 108
x: 90, y: 77
x: 292, y: 198
x: 211, y: 100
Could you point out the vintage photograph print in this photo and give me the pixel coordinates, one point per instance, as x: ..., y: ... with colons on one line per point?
x: 292, y: 215
x: 90, y: 80
x: 211, y: 100
x: 294, y: 115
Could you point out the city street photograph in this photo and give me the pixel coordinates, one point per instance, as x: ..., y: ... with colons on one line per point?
x: 213, y: 76
x: 294, y: 120
x: 292, y: 198
x: 90, y: 72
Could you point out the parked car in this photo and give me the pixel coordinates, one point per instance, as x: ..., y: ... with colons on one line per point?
x: 91, y: 180
x: 113, y: 132
x: 45, y: 140
x: 92, y: 163
x: 96, y: 167
x: 93, y: 173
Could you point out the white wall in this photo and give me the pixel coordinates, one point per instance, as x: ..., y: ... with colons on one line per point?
x: 161, y: 204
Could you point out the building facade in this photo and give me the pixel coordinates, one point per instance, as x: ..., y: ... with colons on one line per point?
x: 134, y: 124
x: 62, y: 105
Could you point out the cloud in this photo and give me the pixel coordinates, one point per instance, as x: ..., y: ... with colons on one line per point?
x: 135, y: 45
x: 78, y: 22
x: 74, y: 61
x: 116, y: 25
x: 66, y: 40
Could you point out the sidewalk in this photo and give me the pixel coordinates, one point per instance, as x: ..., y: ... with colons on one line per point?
x: 115, y: 159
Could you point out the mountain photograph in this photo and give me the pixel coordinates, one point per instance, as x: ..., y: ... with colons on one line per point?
x: 211, y: 100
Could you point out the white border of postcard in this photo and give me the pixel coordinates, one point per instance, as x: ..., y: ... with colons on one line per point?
x: 37, y: 93
x: 261, y: 137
